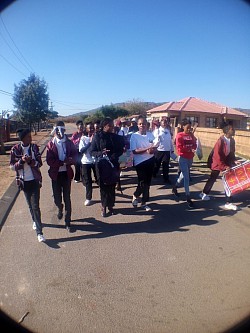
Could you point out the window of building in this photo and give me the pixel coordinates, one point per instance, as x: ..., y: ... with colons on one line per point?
x: 211, y: 122
x: 193, y: 119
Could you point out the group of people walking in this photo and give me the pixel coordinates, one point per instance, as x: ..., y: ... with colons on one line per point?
x: 95, y: 149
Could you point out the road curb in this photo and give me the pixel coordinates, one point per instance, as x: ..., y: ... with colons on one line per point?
x: 9, y: 197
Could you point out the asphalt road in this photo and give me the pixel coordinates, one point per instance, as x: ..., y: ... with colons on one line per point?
x: 169, y: 270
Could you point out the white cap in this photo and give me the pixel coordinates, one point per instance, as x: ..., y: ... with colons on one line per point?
x: 133, y: 119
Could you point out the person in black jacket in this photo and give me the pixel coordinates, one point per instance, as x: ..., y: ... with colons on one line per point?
x: 107, y: 143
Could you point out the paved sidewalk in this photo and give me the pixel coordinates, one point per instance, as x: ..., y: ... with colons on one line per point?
x: 169, y: 270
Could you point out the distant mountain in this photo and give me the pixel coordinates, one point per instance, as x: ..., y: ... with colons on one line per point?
x: 148, y: 106
x: 246, y: 111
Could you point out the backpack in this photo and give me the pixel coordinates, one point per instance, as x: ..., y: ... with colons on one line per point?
x: 210, y: 156
x: 108, y: 173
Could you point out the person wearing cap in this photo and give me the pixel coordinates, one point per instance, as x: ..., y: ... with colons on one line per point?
x: 133, y: 128
x: 75, y: 138
x: 25, y: 160
x: 61, y: 155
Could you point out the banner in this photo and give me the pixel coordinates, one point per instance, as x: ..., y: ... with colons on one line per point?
x: 237, y: 179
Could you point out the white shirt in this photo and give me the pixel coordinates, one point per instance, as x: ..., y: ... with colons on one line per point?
x: 27, y: 172
x: 123, y: 131
x: 86, y: 157
x: 227, y: 142
x: 61, y: 148
x: 138, y: 140
x: 164, y: 138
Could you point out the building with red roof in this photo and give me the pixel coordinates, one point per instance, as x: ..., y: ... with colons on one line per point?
x: 206, y: 114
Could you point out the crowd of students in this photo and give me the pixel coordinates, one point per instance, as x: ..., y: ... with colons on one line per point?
x: 94, y: 145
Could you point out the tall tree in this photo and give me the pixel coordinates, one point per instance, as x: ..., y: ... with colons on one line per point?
x: 31, y: 100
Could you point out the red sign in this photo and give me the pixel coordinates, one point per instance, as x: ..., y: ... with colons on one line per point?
x: 237, y: 179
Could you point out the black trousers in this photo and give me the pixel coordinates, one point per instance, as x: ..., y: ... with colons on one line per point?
x: 144, y: 172
x: 162, y: 157
x: 32, y: 196
x: 62, y: 188
x: 87, y: 179
x: 210, y: 182
x: 78, y: 166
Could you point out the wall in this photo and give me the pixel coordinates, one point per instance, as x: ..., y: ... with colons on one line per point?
x: 208, y: 137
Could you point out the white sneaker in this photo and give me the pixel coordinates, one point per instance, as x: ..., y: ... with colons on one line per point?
x: 34, y: 226
x: 230, y: 206
x: 134, y: 201
x: 41, y: 238
x: 146, y: 207
x: 87, y: 202
x: 204, y: 196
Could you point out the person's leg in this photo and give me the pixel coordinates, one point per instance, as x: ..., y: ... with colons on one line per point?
x: 148, y: 172
x: 57, y: 194
x: 158, y: 160
x: 184, y: 166
x: 35, y: 200
x: 66, y: 186
x: 210, y: 182
x: 165, y: 165
x: 87, y: 180
x: 27, y: 193
x: 78, y: 164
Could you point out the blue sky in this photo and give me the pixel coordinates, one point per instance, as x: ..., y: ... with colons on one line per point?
x: 97, y: 52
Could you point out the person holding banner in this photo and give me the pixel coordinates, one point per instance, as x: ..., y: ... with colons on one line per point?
x: 223, y: 159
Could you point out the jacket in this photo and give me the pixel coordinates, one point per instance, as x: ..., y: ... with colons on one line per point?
x: 111, y: 141
x: 53, y: 161
x: 220, y: 160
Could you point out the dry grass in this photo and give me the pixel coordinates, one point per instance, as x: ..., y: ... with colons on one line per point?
x: 6, y: 175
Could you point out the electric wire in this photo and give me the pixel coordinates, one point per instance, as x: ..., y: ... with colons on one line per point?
x: 30, y: 69
x: 13, y: 66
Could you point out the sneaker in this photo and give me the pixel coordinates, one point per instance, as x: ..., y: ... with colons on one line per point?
x: 68, y: 228
x: 77, y: 181
x: 204, y: 196
x: 87, y: 202
x: 175, y: 192
x: 190, y: 203
x: 230, y: 206
x: 41, y: 238
x: 34, y: 226
x: 134, y: 201
x: 146, y: 207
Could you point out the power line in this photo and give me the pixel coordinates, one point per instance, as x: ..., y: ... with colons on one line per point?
x: 5, y: 92
x: 13, y: 65
x: 30, y: 68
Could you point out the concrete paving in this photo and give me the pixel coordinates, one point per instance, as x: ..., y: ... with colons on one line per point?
x: 169, y: 270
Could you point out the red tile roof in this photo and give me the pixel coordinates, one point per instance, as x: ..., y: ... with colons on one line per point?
x: 193, y: 104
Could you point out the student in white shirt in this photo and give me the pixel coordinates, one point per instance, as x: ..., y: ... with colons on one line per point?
x: 165, y: 148
x: 143, y: 146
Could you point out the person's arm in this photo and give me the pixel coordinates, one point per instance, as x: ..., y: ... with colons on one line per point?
x: 94, y: 149
x: 16, y: 159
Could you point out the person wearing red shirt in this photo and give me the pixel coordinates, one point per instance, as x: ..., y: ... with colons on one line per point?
x: 185, y: 145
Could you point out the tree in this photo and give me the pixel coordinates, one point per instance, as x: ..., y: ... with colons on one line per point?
x: 113, y: 111
x: 136, y: 107
x: 31, y: 100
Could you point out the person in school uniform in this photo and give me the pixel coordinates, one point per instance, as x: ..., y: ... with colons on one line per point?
x: 25, y: 160
x: 75, y: 138
x: 61, y: 155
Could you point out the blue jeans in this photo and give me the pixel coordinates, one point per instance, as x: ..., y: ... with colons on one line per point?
x: 185, y: 165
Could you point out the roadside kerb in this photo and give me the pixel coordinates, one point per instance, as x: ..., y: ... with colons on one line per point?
x: 9, y: 197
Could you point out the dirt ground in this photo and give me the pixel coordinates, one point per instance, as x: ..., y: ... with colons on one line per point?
x: 7, y: 175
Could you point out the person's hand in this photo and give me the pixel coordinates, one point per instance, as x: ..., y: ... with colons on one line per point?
x: 32, y: 163
x: 68, y: 160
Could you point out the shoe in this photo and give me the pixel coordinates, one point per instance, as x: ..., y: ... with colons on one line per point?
x: 111, y: 211
x: 174, y: 191
x: 41, y: 238
x: 190, y: 203
x: 68, y: 228
x: 34, y: 226
x: 230, y: 206
x: 204, y: 196
x: 77, y: 181
x: 87, y: 202
x: 146, y: 207
x: 134, y: 201
x: 60, y: 213
x: 103, y: 212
